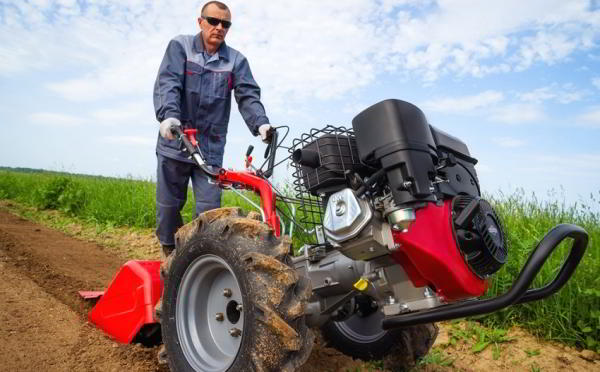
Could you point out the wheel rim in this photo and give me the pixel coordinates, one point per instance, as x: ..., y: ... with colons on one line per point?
x: 362, y: 329
x: 209, y: 342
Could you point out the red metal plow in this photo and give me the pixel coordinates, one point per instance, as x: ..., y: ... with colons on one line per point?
x: 128, y: 302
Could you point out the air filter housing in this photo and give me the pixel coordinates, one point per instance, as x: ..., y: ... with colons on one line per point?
x: 395, y: 135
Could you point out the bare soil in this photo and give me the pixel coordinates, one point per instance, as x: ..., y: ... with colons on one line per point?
x: 43, y: 324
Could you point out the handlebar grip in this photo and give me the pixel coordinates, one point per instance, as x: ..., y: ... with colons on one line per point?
x: 179, y: 134
x: 273, y: 143
x: 193, y: 151
x: 176, y: 130
x: 272, y: 131
x: 273, y: 149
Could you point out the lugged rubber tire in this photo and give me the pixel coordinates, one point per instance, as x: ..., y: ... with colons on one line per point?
x: 274, y: 335
x: 400, y: 349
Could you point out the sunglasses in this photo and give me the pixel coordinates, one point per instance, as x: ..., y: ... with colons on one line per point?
x: 215, y: 22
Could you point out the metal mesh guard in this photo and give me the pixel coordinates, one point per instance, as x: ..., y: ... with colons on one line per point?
x: 336, y: 147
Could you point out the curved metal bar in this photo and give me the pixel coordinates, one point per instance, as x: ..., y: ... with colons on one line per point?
x: 262, y: 213
x: 205, y: 168
x: 519, y: 292
x: 539, y: 256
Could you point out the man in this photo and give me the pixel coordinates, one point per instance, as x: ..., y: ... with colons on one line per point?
x: 193, y: 89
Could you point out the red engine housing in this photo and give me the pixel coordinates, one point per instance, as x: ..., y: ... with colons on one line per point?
x: 430, y: 256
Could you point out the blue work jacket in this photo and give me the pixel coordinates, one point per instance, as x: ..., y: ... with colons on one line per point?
x: 195, y: 88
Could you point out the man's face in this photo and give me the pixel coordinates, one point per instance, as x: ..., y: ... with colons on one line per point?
x: 214, y: 35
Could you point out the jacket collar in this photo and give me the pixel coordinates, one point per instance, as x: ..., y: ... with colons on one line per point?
x: 223, y: 51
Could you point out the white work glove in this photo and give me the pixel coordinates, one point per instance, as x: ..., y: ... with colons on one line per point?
x: 263, y: 130
x: 165, y: 127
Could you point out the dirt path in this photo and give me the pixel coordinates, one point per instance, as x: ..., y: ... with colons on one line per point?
x: 42, y: 320
x: 43, y: 323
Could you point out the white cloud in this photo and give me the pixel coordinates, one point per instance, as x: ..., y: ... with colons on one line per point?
x: 129, y: 71
x: 517, y: 113
x: 529, y: 106
x: 129, y: 114
x: 591, y: 118
x: 52, y: 119
x: 537, y: 95
x: 548, y: 47
x: 596, y: 82
x: 509, y: 142
x: 353, y: 107
x: 564, y: 94
x: 297, y: 50
x: 130, y: 140
x: 465, y: 103
x: 502, y: 39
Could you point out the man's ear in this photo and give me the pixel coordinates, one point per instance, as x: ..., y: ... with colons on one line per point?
x: 200, y: 22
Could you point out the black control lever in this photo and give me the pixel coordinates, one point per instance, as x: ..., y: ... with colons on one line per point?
x: 249, y: 151
x: 271, y: 150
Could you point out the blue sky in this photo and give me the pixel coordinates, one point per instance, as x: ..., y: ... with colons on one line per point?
x: 518, y: 81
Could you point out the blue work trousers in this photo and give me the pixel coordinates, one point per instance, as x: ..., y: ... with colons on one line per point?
x: 172, y: 180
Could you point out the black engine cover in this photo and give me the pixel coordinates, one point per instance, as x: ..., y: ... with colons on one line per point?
x: 394, y: 135
x: 459, y: 166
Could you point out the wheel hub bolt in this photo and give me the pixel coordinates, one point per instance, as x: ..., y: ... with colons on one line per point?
x: 220, y: 317
x: 227, y: 292
x: 239, y: 308
x: 235, y: 332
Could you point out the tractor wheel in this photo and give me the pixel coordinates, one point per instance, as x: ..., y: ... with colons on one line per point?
x: 361, y: 336
x: 230, y: 301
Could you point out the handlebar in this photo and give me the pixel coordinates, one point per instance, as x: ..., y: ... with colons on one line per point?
x: 194, y: 151
x: 192, y: 148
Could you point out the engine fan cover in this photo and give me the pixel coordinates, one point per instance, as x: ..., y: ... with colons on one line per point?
x: 479, y: 235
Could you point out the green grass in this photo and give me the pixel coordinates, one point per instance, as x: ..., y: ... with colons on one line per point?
x: 109, y: 201
x: 104, y: 200
x: 437, y: 357
x: 572, y: 315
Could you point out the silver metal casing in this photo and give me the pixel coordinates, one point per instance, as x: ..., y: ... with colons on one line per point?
x: 345, y: 216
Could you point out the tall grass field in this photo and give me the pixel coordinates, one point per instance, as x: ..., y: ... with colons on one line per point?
x: 571, y: 316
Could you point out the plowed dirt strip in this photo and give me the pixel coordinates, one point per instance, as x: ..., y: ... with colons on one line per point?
x: 42, y: 319
x: 29, y: 316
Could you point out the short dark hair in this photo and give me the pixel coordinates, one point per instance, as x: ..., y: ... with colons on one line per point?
x: 217, y: 3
